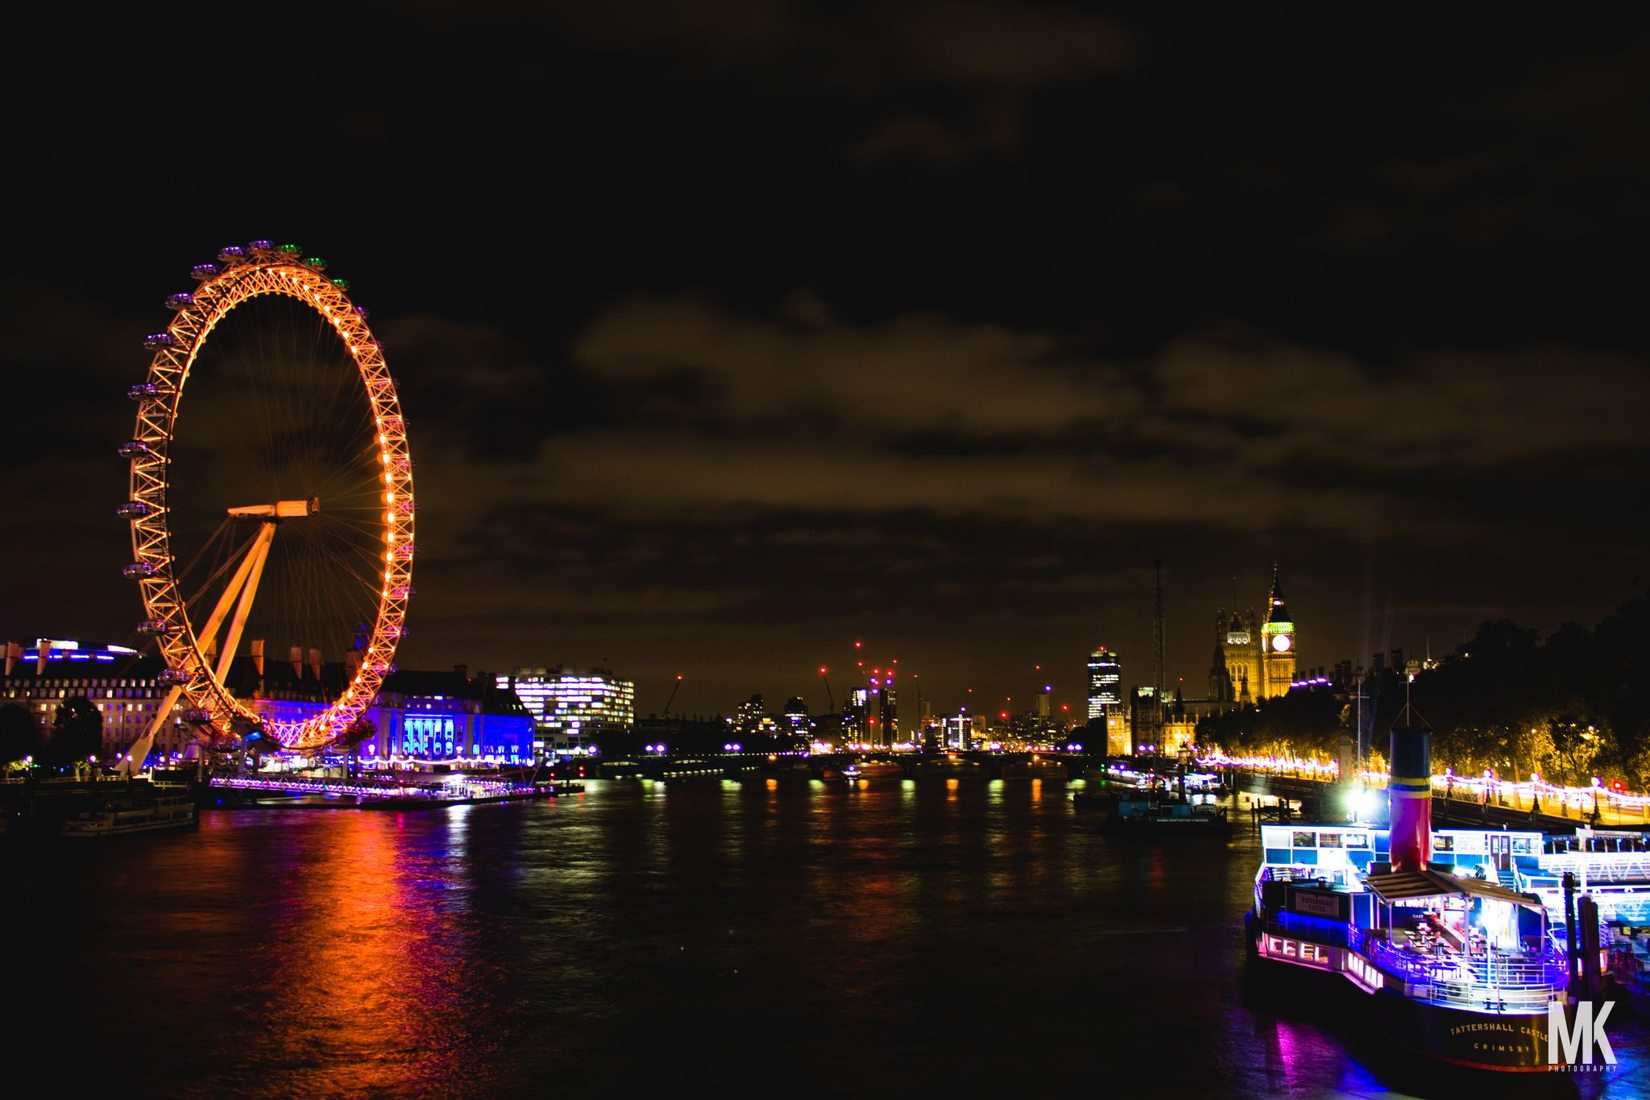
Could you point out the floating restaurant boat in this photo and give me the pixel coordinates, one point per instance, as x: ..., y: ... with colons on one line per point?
x: 1142, y: 800
x: 83, y: 809
x: 1164, y: 812
x: 1453, y: 945
x: 165, y: 813
x: 372, y: 793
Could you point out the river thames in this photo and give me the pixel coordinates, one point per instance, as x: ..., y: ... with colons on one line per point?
x: 931, y: 937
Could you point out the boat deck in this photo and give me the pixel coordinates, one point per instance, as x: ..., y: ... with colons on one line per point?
x: 1494, y: 980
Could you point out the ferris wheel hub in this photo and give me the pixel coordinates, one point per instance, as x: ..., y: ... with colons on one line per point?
x: 281, y: 509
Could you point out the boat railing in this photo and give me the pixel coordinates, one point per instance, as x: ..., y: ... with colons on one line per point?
x: 1600, y: 866
x: 1335, y: 933
x: 89, y: 823
x: 1497, y: 982
x: 1306, y: 876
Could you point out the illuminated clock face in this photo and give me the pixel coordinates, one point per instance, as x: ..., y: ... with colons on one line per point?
x: 1281, y: 643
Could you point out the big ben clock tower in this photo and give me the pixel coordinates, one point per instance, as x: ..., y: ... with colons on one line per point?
x: 1277, y: 644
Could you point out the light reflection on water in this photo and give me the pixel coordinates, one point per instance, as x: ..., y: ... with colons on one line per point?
x: 923, y: 937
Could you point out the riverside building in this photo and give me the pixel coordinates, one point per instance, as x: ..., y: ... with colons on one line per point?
x: 426, y: 716
x: 571, y: 707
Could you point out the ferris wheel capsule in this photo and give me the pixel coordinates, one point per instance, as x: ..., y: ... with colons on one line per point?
x: 260, y: 246
x: 172, y: 676
x: 138, y: 569
x: 157, y: 340
x: 204, y: 271
x: 133, y: 449
x: 154, y: 626
x: 134, y: 509
x: 181, y: 300
x: 231, y: 253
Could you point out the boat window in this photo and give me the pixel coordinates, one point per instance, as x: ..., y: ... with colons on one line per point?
x: 1357, y: 840
x: 1329, y: 840
x: 1305, y: 840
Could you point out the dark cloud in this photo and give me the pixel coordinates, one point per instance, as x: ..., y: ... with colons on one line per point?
x: 730, y: 332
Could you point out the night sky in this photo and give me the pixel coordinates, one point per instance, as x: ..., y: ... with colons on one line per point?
x: 732, y: 332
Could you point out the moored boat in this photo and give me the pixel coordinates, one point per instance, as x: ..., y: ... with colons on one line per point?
x: 51, y: 808
x: 1460, y: 959
x: 161, y: 814
x: 1143, y: 811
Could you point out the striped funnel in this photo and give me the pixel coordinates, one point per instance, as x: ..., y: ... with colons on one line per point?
x: 1409, y: 797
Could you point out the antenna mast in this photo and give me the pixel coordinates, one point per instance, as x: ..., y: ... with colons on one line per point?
x: 1157, y: 646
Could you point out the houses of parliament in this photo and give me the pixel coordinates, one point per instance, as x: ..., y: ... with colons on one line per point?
x: 1255, y: 659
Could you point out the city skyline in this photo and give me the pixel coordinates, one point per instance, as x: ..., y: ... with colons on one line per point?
x: 728, y: 338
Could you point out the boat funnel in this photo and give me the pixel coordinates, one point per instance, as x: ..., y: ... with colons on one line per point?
x: 1409, y: 798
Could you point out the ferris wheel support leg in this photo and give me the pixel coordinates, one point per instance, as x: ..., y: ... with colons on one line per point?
x: 140, y: 748
x: 260, y: 546
x: 255, y: 559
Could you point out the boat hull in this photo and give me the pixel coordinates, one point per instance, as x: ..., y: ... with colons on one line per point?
x: 1207, y: 821
x: 166, y: 818
x: 1507, y: 1041
x: 1499, y: 1042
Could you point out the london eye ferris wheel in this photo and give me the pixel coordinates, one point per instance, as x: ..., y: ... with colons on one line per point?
x: 274, y: 507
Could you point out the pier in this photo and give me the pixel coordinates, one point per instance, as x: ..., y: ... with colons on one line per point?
x: 1476, y: 801
x: 241, y: 792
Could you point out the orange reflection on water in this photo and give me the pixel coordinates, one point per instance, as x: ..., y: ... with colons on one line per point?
x: 368, y: 966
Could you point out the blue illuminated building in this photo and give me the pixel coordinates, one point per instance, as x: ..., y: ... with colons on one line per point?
x: 418, y: 716
x: 449, y: 716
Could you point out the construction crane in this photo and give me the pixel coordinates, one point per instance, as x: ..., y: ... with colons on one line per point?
x: 830, y: 703
x: 672, y: 699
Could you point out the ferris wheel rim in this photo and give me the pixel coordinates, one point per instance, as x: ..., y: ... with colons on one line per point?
x: 241, y: 275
